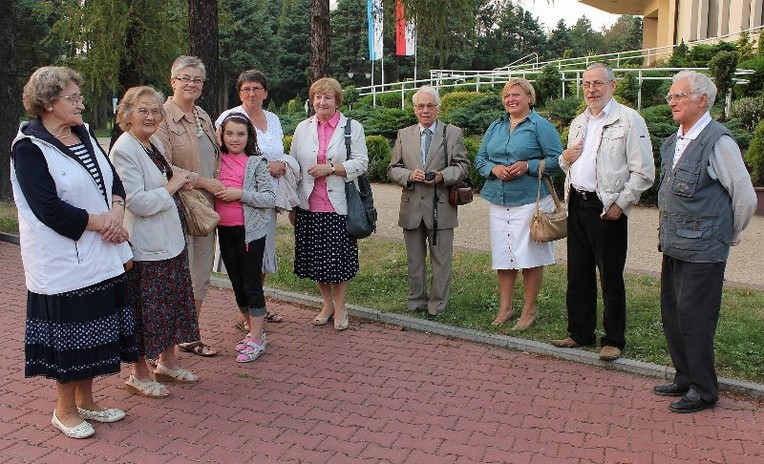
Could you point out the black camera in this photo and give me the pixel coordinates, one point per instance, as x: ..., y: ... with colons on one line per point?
x: 429, y: 176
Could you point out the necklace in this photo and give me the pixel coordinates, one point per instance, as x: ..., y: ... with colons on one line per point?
x: 197, y: 119
x: 65, y: 136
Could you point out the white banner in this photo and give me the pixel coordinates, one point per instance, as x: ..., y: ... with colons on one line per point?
x: 374, y: 13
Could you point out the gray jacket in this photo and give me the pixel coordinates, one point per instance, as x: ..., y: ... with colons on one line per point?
x: 625, y: 166
x: 257, y: 197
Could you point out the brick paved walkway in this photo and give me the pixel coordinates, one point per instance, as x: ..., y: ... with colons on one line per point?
x: 374, y: 394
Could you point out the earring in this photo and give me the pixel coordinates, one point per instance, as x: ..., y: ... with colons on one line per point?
x: 50, y: 108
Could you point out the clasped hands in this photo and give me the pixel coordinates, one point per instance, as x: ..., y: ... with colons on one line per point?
x: 320, y: 170
x: 511, y: 172
x: 112, y: 229
x: 419, y: 175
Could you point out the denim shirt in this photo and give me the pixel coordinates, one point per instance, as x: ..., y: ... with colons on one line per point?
x: 533, y: 139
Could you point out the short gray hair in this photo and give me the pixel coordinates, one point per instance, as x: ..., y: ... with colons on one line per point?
x: 427, y: 89
x: 608, y: 70
x: 45, y: 86
x: 130, y: 99
x: 700, y: 84
x: 185, y: 61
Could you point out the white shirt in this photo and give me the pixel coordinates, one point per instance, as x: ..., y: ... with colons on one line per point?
x: 422, y: 139
x: 683, y: 140
x: 583, y: 173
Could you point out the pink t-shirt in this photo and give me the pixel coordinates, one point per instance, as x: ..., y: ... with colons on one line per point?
x: 319, y: 197
x: 232, y: 168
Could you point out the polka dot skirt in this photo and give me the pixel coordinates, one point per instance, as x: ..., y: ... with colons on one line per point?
x: 323, y: 250
x: 80, y: 334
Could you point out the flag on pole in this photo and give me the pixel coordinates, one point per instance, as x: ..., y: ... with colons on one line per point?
x: 405, y: 32
x: 374, y: 14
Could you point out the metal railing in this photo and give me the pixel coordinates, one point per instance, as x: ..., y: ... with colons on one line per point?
x: 571, y: 69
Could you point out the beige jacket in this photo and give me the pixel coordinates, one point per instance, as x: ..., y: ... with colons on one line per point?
x: 178, y: 136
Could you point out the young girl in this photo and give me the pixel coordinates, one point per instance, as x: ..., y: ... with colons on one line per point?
x: 243, y: 208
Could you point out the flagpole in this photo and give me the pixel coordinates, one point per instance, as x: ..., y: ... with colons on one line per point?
x: 373, y: 88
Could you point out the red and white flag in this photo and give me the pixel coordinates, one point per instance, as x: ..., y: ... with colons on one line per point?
x: 405, y: 32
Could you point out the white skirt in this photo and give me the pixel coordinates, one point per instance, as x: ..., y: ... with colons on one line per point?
x: 511, y: 243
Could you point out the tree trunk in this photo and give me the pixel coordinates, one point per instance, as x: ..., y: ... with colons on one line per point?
x: 319, y: 40
x: 9, y: 94
x: 129, y: 72
x: 203, y: 43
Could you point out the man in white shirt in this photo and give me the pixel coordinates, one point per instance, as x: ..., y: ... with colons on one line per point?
x: 608, y: 164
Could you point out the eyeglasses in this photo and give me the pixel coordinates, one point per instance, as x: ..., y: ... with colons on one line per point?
x: 189, y: 80
x: 677, y: 97
x: 153, y: 111
x: 422, y: 106
x: 75, y: 99
x: 594, y: 84
x: 253, y: 89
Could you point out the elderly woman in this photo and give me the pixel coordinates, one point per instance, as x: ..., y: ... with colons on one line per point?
x: 70, y: 203
x: 160, y: 281
x: 189, y: 142
x: 253, y: 91
x: 509, y: 158
x: 324, y: 251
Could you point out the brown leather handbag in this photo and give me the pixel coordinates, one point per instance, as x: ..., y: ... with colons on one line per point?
x: 547, y: 227
x: 461, y: 192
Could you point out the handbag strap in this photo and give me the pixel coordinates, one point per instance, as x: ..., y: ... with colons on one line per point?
x: 549, y: 185
x: 347, y: 136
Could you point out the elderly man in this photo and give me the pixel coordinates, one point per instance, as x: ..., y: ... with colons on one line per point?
x: 608, y: 164
x: 428, y: 157
x: 705, y: 201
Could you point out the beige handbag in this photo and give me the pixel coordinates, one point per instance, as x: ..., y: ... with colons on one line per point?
x: 547, y: 227
x: 201, y: 218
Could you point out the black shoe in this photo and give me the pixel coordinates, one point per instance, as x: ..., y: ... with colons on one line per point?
x: 669, y: 389
x: 691, y: 402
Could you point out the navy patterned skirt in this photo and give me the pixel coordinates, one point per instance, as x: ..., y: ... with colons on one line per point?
x: 163, y: 302
x: 323, y: 250
x: 81, y: 334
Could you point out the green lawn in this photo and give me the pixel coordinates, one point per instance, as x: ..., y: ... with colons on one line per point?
x: 381, y: 284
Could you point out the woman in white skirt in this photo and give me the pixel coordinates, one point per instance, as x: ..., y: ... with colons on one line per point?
x: 509, y: 158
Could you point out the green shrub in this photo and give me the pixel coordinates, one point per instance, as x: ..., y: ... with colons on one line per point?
x: 289, y: 122
x: 384, y: 121
x: 287, y: 143
x: 477, y: 115
x: 754, y: 157
x: 628, y: 89
x: 390, y: 100
x: 379, y: 158
x: 750, y: 112
x: 562, y: 111
x: 472, y: 144
x: 454, y: 100
x: 741, y: 135
x: 756, y: 80
x: 548, y: 84
x: 660, y: 125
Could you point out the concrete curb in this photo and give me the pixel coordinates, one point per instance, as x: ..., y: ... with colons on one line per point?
x: 504, y: 341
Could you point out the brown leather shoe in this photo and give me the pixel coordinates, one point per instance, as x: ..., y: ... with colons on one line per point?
x: 610, y: 353
x: 565, y: 343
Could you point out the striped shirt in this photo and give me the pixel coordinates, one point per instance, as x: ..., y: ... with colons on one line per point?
x: 87, y: 160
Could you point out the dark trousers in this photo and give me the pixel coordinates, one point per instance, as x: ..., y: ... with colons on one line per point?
x: 244, y: 264
x: 594, y: 243
x: 691, y: 297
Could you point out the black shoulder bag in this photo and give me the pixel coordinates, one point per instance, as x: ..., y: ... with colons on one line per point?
x: 362, y: 216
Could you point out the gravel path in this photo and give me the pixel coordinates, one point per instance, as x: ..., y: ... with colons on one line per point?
x: 744, y: 268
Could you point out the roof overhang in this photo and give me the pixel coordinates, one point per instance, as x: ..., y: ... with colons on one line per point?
x: 622, y: 7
